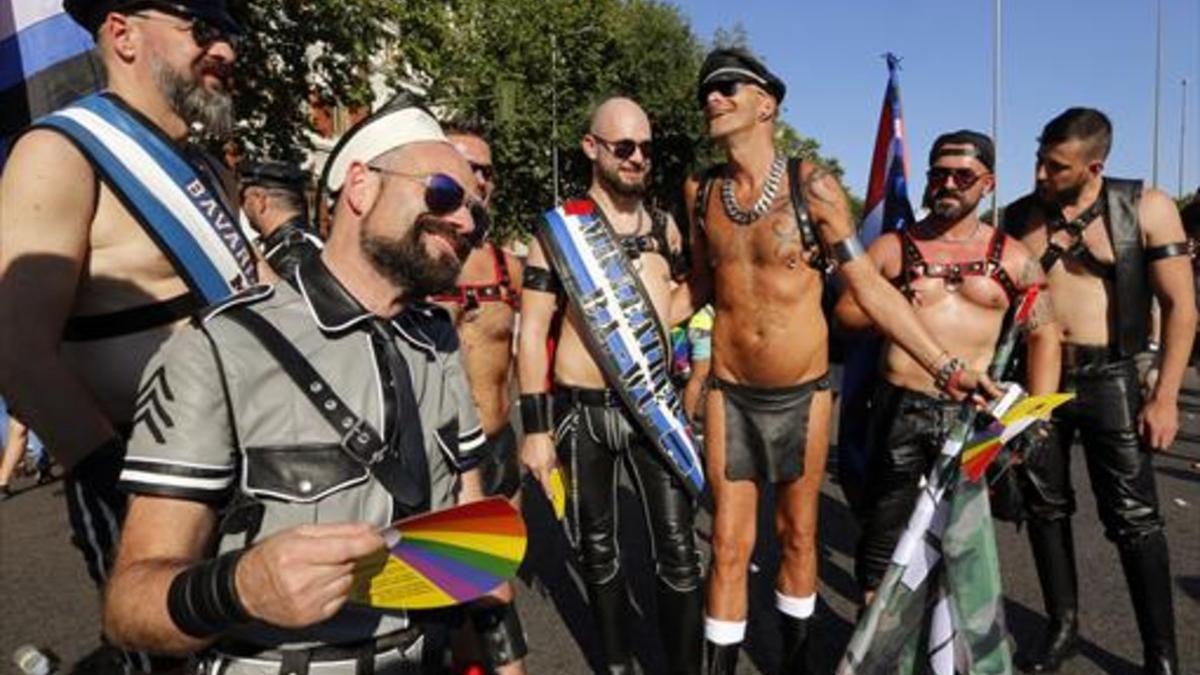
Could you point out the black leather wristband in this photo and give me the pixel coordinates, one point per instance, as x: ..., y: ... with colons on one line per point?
x: 203, y: 599
x: 535, y: 413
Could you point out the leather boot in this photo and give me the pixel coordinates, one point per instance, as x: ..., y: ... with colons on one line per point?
x: 722, y: 659
x: 1148, y: 574
x: 1054, y: 556
x: 610, y: 608
x: 680, y: 625
x: 795, y: 644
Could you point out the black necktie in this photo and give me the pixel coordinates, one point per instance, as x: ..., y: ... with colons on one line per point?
x: 405, y: 470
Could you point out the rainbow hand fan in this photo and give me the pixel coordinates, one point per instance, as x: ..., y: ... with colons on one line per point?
x: 985, y: 445
x: 443, y: 558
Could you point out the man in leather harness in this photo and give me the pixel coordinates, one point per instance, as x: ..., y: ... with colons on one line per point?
x: 274, y: 202
x: 1108, y: 246
x: 88, y: 294
x: 768, y: 411
x: 292, y: 423
x: 483, y: 306
x: 592, y: 433
x: 961, y: 276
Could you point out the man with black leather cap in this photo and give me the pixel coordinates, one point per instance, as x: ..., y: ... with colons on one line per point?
x: 115, y: 229
x: 274, y: 201
x: 292, y: 423
x: 765, y: 229
x: 1109, y: 246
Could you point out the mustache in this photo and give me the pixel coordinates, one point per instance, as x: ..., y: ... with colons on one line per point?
x: 429, y: 224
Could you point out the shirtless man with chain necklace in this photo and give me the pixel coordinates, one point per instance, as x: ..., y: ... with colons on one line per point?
x: 768, y: 412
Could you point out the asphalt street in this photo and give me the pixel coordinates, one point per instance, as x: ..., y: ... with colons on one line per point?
x: 47, y: 600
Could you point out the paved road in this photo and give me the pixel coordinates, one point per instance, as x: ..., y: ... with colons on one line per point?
x: 46, y: 599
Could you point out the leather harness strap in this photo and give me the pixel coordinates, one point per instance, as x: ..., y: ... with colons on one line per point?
x: 471, y: 296
x: 914, y: 265
x: 1077, y: 249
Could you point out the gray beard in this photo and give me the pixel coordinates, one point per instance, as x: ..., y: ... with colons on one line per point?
x: 212, y: 111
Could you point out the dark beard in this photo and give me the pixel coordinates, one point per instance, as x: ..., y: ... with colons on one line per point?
x: 1065, y: 197
x: 211, y: 110
x: 948, y: 213
x: 407, y: 264
x: 612, y: 182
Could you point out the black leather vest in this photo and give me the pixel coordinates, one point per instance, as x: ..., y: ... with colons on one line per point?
x: 1131, y: 287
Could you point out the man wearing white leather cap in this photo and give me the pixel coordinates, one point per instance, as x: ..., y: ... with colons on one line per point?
x: 255, y: 399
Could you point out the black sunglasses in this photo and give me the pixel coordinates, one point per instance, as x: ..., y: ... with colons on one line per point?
x: 623, y: 149
x: 204, y: 32
x: 963, y: 178
x: 726, y: 88
x: 444, y: 195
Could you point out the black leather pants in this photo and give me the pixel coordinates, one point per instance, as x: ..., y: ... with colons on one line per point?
x: 905, y: 434
x: 1104, y: 414
x: 594, y: 439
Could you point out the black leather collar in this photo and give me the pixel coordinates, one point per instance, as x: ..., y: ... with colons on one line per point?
x: 335, y: 310
x: 330, y: 303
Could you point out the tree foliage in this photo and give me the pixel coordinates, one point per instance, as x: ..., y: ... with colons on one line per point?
x: 527, y: 71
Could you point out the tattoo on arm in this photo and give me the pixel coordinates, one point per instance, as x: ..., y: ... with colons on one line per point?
x: 1042, y: 314
x: 1030, y: 274
x: 817, y: 187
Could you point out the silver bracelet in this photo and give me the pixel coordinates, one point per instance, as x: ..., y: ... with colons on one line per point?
x: 847, y: 249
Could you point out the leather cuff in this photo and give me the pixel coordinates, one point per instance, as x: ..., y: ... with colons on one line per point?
x: 535, y: 413
x: 203, y: 599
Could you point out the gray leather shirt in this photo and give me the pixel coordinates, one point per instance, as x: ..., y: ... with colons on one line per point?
x: 218, y: 417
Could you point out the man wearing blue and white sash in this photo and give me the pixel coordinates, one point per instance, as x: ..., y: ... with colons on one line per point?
x: 610, y: 258
x: 112, y: 233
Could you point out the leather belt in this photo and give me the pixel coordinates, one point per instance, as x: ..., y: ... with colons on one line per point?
x: 1085, y: 357
x: 400, y: 640
x: 602, y: 398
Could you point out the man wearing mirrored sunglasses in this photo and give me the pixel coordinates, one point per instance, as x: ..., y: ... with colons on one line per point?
x: 764, y: 231
x: 306, y: 418
x: 1109, y: 246
x: 593, y: 434
x: 961, y: 276
x: 483, y: 304
x: 91, y: 256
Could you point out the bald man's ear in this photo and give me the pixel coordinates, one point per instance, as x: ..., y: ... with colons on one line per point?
x: 361, y: 188
x: 588, y: 145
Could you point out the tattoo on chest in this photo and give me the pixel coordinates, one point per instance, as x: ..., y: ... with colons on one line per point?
x: 787, y: 240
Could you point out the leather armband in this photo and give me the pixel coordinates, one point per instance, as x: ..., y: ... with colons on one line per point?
x: 535, y: 413
x: 540, y: 279
x: 1156, y: 253
x: 203, y: 599
x: 847, y: 250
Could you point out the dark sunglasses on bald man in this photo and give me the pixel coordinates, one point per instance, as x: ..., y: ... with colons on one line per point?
x: 443, y: 196
x: 623, y: 149
x: 484, y: 171
x: 963, y: 178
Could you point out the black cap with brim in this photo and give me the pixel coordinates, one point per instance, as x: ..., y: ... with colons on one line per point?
x: 738, y: 65
x: 272, y: 175
x: 978, y: 145
x: 91, y: 13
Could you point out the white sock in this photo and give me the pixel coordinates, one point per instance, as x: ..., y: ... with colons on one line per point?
x: 721, y: 632
x: 800, y: 608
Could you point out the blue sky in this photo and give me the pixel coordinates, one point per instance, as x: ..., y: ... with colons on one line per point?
x: 1057, y: 53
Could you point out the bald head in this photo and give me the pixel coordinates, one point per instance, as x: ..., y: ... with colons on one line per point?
x: 620, y: 117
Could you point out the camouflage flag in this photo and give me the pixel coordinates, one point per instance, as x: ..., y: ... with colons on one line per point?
x: 939, y: 607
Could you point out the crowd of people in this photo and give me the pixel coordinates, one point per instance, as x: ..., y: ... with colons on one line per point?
x: 246, y: 408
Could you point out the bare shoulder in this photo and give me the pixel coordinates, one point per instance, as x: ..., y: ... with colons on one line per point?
x: 1020, y: 263
x: 45, y: 155
x: 886, y: 253
x: 47, y: 195
x: 1159, y: 218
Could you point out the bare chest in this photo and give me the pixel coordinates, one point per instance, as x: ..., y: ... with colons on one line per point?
x: 772, y: 241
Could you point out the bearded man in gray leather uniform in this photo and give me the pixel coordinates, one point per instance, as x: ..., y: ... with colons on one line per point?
x: 255, y: 491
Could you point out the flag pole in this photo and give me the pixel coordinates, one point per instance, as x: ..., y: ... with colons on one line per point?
x: 1157, y: 94
x: 1182, y: 135
x: 996, y: 111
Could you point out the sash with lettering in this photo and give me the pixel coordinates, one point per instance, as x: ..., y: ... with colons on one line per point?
x: 176, y: 205
x: 621, y: 330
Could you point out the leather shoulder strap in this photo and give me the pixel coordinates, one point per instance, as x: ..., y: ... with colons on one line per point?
x: 808, y: 235
x: 359, y: 439
x: 700, y: 208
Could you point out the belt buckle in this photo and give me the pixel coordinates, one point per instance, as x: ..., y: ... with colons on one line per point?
x: 356, y: 434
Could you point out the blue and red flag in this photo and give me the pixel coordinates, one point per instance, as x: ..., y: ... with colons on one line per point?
x: 887, y: 209
x: 46, y: 61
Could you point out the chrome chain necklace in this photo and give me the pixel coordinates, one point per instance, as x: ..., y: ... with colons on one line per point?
x: 762, y: 205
